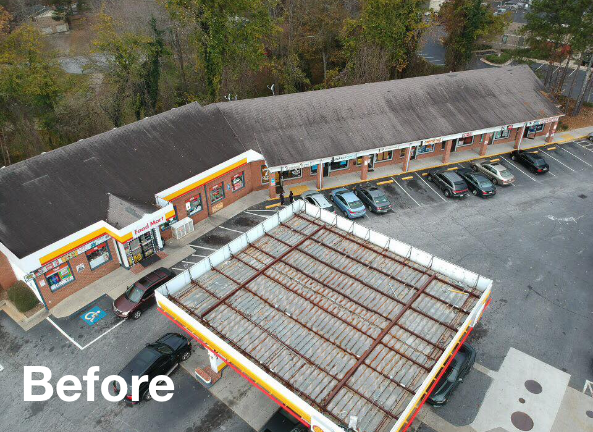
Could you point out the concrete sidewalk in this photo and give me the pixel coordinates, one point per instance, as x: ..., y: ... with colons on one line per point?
x: 116, y: 282
x: 385, y: 172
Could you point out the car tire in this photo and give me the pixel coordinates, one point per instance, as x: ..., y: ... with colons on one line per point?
x: 185, y: 355
x: 475, y: 192
x: 494, y: 181
x: 475, y: 168
x: 137, y: 314
x: 513, y: 157
x: 447, y: 193
x: 429, y: 178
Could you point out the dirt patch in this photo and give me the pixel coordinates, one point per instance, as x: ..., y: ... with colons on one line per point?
x: 584, y: 119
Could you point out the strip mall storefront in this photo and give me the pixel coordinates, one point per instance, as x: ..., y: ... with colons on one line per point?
x: 405, y: 154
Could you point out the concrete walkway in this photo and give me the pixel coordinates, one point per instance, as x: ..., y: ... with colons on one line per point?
x: 116, y: 282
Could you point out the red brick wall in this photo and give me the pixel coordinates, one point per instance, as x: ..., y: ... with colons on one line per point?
x: 81, y: 280
x: 7, y: 277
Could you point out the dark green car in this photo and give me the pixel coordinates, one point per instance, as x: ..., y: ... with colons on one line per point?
x: 373, y: 198
x: 457, y: 370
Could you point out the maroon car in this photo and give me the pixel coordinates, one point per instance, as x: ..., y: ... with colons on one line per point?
x: 140, y: 295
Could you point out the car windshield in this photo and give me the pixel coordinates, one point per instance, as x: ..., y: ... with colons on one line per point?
x: 482, y: 181
x: 355, y: 205
x: 538, y: 162
x: 380, y: 199
x: 505, y: 173
x: 134, y: 294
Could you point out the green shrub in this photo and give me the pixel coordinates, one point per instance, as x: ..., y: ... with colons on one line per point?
x: 499, y: 58
x: 562, y: 126
x: 588, y: 104
x: 22, y: 297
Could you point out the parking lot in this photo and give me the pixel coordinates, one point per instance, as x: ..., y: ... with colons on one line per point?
x: 533, y: 239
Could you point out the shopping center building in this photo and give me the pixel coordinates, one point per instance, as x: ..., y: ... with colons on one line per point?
x: 70, y: 216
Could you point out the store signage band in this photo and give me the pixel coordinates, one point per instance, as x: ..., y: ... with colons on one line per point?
x: 72, y: 254
x: 432, y: 141
x: 148, y: 226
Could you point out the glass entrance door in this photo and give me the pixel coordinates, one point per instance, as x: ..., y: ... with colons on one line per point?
x: 140, y: 248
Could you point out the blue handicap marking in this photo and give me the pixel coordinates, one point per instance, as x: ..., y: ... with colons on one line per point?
x: 93, y: 316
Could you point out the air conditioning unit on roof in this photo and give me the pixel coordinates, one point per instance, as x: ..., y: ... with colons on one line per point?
x: 182, y: 228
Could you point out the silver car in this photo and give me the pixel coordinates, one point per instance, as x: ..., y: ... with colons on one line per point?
x: 498, y: 173
x: 318, y: 199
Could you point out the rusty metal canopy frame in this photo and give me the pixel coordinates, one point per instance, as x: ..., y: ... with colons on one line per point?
x: 348, y: 326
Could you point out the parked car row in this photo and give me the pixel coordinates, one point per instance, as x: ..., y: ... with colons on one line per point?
x: 484, y: 175
x: 352, y: 203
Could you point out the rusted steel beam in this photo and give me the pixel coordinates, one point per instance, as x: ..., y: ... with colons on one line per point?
x: 279, y: 282
x: 233, y: 292
x: 330, y: 229
x: 357, y: 279
x: 376, y: 342
x: 356, y: 302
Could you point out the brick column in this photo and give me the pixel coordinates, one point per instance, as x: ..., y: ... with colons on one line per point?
x: 447, y: 154
x: 319, y: 176
x: 272, y: 187
x: 406, y: 163
x: 484, y: 146
x: 550, y: 136
x: 519, y: 137
x: 364, y: 171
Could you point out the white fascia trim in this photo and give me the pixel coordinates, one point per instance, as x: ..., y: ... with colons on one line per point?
x: 32, y: 261
x: 250, y: 155
x: 346, y: 156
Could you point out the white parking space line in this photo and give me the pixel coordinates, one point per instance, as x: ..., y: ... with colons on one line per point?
x: 202, y: 247
x: 519, y: 169
x: 561, y: 163
x: 229, y: 229
x: 1, y: 368
x: 198, y: 255
x: 178, y: 269
x: 76, y: 344
x: 426, y: 183
x: 254, y: 214
x: 264, y: 210
x: 188, y: 262
x: 571, y: 153
x: 405, y: 191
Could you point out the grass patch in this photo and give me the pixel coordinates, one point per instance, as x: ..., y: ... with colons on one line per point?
x: 22, y: 297
x: 499, y: 58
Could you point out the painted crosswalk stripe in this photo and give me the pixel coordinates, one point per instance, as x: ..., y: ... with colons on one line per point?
x: 229, y: 229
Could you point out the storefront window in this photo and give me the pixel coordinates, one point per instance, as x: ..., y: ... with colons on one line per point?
x: 384, y: 156
x: 60, y: 276
x: 98, y: 256
x: 194, y: 205
x: 293, y: 173
x: 539, y: 128
x: 314, y: 169
x: 217, y: 192
x: 402, y: 153
x: 167, y: 225
x: 461, y: 142
x: 502, y: 134
x: 238, y: 182
x: 429, y: 148
x: 139, y: 248
x: 340, y: 165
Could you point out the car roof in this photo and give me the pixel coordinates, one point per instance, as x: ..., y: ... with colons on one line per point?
x: 464, y: 171
x: 375, y: 192
x: 140, y: 363
x: 349, y: 196
x: 452, y: 176
x: 498, y: 167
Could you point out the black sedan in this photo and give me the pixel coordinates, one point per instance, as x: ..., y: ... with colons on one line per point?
x: 534, y: 162
x: 157, y: 358
x: 457, y: 370
x: 478, y: 184
x: 373, y: 198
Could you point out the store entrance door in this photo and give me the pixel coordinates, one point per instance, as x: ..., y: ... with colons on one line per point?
x: 141, y: 248
x: 372, y: 162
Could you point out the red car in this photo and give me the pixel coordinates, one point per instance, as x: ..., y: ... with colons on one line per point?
x: 139, y: 296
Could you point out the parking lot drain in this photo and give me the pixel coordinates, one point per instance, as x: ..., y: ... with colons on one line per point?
x: 589, y: 414
x: 521, y: 421
x: 533, y: 386
x: 521, y: 400
x: 384, y: 182
x: 582, y: 196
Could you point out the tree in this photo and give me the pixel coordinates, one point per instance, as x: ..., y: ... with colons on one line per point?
x: 386, y: 35
x: 467, y: 22
x: 64, y: 9
x: 228, y: 33
x: 30, y: 87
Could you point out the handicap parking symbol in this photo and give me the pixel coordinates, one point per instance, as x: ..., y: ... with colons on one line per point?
x: 93, y: 316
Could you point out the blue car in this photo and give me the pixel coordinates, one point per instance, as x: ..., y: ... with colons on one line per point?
x: 348, y: 202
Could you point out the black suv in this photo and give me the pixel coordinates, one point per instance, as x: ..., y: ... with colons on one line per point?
x: 457, y: 370
x: 157, y: 358
x: 533, y: 161
x: 449, y: 182
x: 478, y: 184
